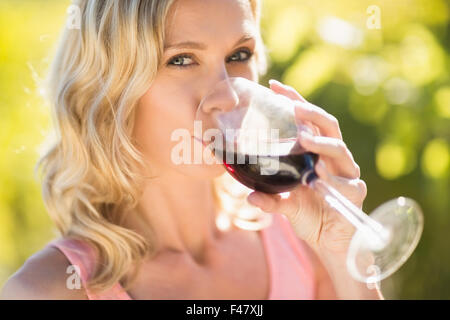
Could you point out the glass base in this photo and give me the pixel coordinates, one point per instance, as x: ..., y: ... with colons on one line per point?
x: 403, y: 218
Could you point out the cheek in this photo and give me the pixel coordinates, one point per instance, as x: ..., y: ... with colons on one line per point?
x: 154, y: 125
x: 157, y: 117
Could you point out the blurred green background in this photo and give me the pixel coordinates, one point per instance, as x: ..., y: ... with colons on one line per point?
x: 383, y: 71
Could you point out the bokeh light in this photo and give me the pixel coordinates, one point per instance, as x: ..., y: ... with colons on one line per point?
x: 392, y: 160
x: 436, y: 159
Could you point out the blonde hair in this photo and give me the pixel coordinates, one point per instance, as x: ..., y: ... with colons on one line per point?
x: 90, y: 175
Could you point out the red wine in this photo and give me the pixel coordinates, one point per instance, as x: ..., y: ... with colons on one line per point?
x: 289, y: 170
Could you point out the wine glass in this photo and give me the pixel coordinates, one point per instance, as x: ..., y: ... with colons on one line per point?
x: 253, y: 132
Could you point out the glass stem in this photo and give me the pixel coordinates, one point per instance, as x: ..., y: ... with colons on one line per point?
x: 376, y: 234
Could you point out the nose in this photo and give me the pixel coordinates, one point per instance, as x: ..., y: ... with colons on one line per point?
x: 221, y: 97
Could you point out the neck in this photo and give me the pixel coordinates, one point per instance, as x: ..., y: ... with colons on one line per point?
x: 181, y: 214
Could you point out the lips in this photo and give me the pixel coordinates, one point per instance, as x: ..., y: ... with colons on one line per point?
x: 207, y: 144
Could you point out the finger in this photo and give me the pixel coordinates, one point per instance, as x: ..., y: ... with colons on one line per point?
x: 273, y: 203
x: 266, y: 202
x: 285, y: 90
x: 327, y: 123
x: 333, y: 148
x: 314, y: 128
x: 353, y: 189
x: 290, y: 92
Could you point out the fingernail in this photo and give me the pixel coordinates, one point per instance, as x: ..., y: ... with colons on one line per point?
x: 320, y: 169
x: 273, y: 81
x: 321, y: 163
x: 305, y: 136
x: 255, y: 199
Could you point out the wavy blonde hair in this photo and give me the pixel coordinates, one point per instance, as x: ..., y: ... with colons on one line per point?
x: 90, y: 174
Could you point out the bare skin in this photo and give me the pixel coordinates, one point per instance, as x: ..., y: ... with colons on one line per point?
x: 178, y: 202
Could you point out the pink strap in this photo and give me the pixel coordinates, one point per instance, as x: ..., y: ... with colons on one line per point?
x: 83, y: 256
x: 299, y: 246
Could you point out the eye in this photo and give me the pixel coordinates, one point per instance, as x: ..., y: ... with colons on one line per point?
x: 241, y: 55
x: 179, y: 61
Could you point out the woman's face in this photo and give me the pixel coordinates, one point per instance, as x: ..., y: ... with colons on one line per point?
x: 222, y: 36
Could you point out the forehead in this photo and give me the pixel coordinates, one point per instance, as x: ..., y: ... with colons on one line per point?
x: 204, y: 20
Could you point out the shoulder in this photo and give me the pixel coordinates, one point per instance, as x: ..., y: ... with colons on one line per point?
x: 43, y: 276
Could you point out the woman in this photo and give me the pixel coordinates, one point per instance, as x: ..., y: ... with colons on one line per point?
x: 133, y: 224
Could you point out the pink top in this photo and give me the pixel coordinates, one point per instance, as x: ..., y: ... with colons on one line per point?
x: 291, y: 271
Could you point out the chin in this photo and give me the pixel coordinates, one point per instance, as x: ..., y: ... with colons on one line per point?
x: 206, y: 171
x: 208, y: 167
x: 203, y: 171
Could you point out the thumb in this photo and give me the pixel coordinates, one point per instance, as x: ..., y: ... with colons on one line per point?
x: 264, y: 201
x: 274, y: 203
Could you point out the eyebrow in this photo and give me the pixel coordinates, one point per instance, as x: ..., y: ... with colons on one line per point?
x: 202, y: 46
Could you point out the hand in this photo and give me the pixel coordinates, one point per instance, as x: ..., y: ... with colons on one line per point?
x: 311, y: 218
